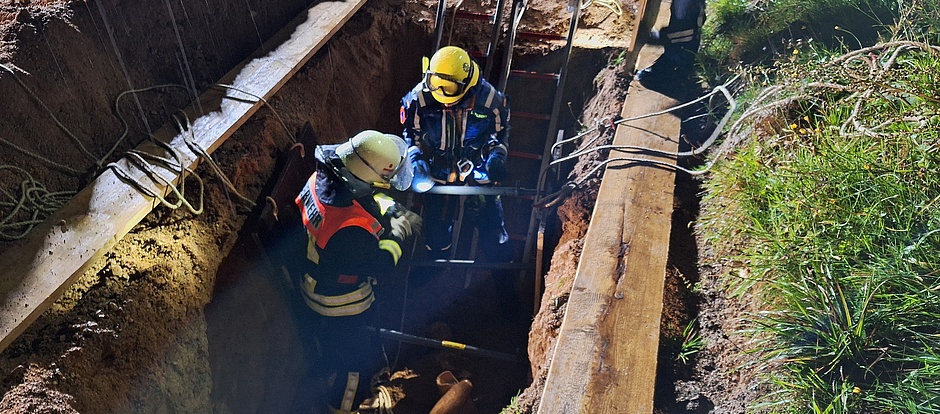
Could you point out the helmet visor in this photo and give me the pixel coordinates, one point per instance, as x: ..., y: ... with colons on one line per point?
x: 401, y: 176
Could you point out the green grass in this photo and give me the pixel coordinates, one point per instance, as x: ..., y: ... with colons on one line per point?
x: 513, y: 407
x: 832, y: 204
x: 692, y: 343
x: 750, y: 31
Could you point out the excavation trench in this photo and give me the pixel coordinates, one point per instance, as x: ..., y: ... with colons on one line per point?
x: 184, y: 314
x: 250, y: 321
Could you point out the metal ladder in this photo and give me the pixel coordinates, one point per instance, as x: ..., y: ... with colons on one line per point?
x: 543, y: 120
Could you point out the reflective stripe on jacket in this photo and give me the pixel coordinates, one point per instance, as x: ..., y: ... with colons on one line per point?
x: 322, y: 221
x: 352, y: 303
x: 454, y: 138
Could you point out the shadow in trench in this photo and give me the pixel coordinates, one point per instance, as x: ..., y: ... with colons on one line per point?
x: 675, y: 366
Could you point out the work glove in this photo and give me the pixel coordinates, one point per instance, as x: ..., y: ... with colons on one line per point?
x: 405, y: 223
x: 496, y: 163
x: 422, y: 172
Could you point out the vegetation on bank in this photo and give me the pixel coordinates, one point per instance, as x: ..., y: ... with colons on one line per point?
x: 831, y: 199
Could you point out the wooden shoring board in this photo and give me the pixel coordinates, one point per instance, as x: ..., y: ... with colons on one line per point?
x: 36, y: 272
x: 605, y: 357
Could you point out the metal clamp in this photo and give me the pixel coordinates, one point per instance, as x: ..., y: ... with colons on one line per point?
x: 464, y: 168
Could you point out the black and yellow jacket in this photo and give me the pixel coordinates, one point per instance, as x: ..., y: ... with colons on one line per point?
x: 349, y: 246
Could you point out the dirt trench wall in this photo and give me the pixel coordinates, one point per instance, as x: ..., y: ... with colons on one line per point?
x: 164, y: 323
x: 67, y: 62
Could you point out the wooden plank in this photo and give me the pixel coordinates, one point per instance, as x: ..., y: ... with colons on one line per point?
x: 604, y: 360
x: 649, y: 10
x: 36, y: 272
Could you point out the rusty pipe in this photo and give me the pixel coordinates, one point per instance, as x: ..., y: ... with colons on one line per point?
x: 456, y: 400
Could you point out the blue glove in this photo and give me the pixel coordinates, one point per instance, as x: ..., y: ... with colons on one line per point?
x: 496, y: 163
x: 422, y: 172
x: 414, y: 154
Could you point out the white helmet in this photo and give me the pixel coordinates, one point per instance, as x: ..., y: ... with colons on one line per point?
x: 377, y: 159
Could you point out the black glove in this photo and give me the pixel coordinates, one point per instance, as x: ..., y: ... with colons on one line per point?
x: 496, y: 163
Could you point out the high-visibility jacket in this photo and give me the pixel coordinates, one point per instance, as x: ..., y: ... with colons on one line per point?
x: 457, y: 139
x: 347, y: 247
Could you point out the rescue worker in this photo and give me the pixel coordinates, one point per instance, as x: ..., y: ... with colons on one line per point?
x: 680, y: 40
x: 457, y: 127
x: 354, y: 238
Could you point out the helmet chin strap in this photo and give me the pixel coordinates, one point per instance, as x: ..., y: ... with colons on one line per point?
x: 357, y: 187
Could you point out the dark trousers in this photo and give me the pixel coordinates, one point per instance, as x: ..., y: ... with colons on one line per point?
x: 485, y: 213
x: 341, y: 346
x: 684, y: 33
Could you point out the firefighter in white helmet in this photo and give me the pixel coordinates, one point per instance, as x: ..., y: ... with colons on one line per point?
x: 457, y: 127
x: 354, y: 238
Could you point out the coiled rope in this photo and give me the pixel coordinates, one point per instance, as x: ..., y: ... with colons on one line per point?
x: 26, y: 208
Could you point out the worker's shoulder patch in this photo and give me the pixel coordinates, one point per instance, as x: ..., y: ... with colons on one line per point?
x: 401, y: 114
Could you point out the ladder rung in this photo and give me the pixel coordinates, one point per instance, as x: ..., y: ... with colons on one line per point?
x: 528, y: 155
x: 477, y: 53
x: 531, y: 115
x: 486, y: 17
x: 481, y: 190
x: 540, y: 36
x: 534, y: 75
x: 467, y: 264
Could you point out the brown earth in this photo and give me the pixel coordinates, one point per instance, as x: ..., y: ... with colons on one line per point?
x: 182, y: 315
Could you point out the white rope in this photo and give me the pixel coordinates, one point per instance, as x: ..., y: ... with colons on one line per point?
x: 613, y: 5
x: 588, y: 147
x: 383, y: 402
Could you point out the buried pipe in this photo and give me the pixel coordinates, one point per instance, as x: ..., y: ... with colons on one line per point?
x: 455, y: 395
x: 433, y: 343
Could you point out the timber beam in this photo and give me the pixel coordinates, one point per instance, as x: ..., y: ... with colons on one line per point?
x: 57, y: 252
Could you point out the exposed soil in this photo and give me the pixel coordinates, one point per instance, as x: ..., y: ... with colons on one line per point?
x: 184, y: 316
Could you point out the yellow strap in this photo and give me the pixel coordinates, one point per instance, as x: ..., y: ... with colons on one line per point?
x: 312, y: 254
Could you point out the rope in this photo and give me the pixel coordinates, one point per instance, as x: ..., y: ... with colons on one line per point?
x: 383, y: 402
x: 290, y: 137
x: 613, y: 5
x: 33, y: 201
x: 862, y: 89
x: 37, y: 203
x: 589, y: 147
x: 117, y: 114
x: 140, y: 160
x: 190, y: 140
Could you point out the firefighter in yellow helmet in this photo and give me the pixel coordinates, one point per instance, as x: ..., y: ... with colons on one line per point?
x: 354, y: 238
x: 457, y: 127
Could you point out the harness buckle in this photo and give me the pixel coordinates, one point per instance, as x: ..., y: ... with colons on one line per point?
x: 464, y: 168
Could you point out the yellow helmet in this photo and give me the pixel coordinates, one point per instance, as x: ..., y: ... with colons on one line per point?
x: 449, y: 74
x: 375, y: 158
